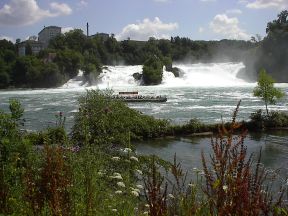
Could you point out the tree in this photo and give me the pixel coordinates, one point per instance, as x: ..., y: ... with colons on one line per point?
x: 279, y: 25
x: 265, y: 89
x: 152, y: 71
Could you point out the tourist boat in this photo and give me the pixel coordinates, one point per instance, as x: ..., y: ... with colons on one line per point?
x: 135, y: 97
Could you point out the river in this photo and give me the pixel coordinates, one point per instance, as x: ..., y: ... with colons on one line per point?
x: 208, y: 92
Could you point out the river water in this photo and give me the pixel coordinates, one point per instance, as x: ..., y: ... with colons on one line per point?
x: 208, y: 92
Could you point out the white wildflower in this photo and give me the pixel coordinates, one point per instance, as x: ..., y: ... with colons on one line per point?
x: 225, y: 187
x: 116, y: 176
x: 171, y: 196
x: 134, y: 193
x: 126, y: 150
x: 147, y: 205
x: 134, y: 158
x: 121, y: 184
x: 139, y: 187
x: 114, y: 210
x: 146, y: 213
x: 115, y: 158
x: 139, y: 172
x: 135, y: 189
x: 118, y: 192
x: 191, y: 185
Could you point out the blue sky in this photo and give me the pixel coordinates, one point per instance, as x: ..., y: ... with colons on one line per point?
x: 141, y: 19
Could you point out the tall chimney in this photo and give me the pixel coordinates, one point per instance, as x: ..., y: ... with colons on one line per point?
x: 87, y: 29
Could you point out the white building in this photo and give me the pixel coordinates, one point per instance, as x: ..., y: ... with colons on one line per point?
x: 47, y: 33
x: 35, y: 46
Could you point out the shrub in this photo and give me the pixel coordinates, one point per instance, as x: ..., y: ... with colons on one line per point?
x: 274, y: 119
x: 152, y: 71
x: 104, y: 121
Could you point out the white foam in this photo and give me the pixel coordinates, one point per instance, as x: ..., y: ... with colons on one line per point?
x: 206, y: 75
x: 192, y: 75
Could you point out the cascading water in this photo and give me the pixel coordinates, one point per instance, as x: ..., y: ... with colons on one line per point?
x: 205, y: 75
x: 214, y: 74
x: 191, y: 75
x: 78, y: 81
x: 119, y: 76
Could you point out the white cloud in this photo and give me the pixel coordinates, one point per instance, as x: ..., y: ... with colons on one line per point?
x: 27, y: 12
x: 201, y: 30
x: 61, y: 9
x: 83, y: 2
x: 66, y: 29
x: 243, y: 1
x: 147, y: 28
x: 263, y: 4
x: 234, y: 11
x: 3, y: 37
x: 228, y: 27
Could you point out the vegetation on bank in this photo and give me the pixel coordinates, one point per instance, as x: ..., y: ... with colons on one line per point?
x: 73, y: 50
x: 96, y: 171
x: 266, y: 91
x: 271, y: 53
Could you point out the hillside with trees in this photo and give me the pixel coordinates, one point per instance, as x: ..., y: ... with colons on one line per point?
x: 271, y: 53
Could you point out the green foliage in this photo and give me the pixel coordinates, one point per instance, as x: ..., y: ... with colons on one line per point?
x: 63, y: 179
x: 51, y: 76
x: 16, y: 109
x: 69, y: 62
x: 231, y: 175
x: 152, y: 71
x: 75, y: 51
x: 271, y: 53
x: 104, y: 121
x: 278, y: 26
x: 274, y: 119
x: 4, y: 76
x: 15, y: 152
x: 265, y: 89
x: 4, y: 80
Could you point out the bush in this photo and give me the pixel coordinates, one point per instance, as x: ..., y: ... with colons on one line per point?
x: 152, y: 71
x: 102, y: 120
x: 274, y: 119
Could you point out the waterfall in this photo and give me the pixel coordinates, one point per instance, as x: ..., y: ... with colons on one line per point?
x: 191, y: 75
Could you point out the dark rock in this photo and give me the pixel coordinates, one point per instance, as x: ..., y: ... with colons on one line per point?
x: 176, y: 71
x: 137, y: 76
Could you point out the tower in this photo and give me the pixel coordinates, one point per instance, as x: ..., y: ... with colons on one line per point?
x: 87, y: 29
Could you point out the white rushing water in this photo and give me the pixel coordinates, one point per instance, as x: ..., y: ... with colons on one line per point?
x: 191, y: 75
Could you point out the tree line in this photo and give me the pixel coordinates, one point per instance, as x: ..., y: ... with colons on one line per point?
x: 74, y: 50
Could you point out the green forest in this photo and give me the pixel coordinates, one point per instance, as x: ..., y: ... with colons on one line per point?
x: 74, y: 50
